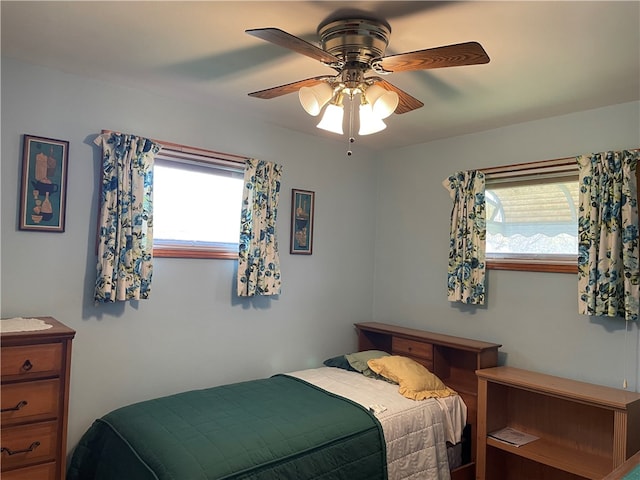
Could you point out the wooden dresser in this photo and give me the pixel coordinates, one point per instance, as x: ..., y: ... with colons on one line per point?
x: 35, y: 369
x: 453, y: 359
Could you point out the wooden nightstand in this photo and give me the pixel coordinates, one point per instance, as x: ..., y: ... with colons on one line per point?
x: 35, y: 369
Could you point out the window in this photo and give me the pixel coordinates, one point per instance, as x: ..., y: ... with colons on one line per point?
x: 532, y: 216
x: 197, y: 201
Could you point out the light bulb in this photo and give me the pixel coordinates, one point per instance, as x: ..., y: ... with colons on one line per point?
x: 384, y: 102
x: 332, y: 118
x: 314, y: 98
x: 369, y: 122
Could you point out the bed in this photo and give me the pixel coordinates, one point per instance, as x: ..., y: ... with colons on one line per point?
x: 321, y: 423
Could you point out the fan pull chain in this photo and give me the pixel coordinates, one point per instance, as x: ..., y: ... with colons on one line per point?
x: 351, y: 138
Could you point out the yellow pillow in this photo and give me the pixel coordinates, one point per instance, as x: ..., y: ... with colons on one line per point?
x: 416, y: 382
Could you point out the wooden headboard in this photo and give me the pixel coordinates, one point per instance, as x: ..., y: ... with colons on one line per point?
x: 453, y: 359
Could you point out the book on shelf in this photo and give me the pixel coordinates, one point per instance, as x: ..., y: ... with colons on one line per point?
x: 512, y: 436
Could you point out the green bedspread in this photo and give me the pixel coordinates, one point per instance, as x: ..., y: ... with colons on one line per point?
x: 275, y: 428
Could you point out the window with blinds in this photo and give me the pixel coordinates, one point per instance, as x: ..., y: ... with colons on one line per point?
x: 532, y: 216
x: 197, y: 203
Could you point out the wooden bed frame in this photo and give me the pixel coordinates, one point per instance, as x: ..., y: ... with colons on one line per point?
x: 453, y: 359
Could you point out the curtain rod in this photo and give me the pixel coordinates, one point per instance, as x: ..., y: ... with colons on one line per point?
x: 176, y: 147
x: 531, y: 166
x: 556, y: 162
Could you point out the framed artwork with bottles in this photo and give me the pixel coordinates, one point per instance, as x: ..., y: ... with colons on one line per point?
x: 43, y: 189
x: 302, y: 208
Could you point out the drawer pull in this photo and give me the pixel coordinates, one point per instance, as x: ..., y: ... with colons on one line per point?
x: 31, y: 448
x: 27, y: 365
x: 22, y: 403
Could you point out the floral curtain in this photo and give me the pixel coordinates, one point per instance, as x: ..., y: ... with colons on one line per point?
x: 466, y: 273
x: 258, y: 259
x: 125, y: 236
x: 608, y: 235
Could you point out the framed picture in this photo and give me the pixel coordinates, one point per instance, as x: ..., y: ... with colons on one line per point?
x: 302, y: 204
x: 43, y: 191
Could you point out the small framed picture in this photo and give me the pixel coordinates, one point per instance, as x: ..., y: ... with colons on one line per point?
x: 302, y: 205
x: 43, y: 191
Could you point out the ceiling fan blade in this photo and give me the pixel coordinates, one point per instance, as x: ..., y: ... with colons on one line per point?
x: 288, y: 88
x: 286, y: 40
x: 406, y: 102
x: 469, y: 53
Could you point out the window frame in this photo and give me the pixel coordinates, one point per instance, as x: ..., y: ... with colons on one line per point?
x: 185, y: 154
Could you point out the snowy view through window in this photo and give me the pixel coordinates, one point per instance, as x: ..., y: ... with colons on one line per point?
x: 196, y: 206
x: 532, y: 219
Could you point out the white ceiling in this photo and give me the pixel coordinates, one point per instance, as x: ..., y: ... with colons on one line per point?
x: 547, y: 58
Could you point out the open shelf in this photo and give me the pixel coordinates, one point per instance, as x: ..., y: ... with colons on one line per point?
x: 584, y: 431
x: 560, y: 457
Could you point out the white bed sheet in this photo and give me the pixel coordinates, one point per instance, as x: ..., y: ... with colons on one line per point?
x: 415, y: 432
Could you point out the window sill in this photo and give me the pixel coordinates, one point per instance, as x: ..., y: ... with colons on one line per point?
x: 525, y: 266
x: 194, y: 252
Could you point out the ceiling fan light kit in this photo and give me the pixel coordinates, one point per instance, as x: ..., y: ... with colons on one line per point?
x: 373, y: 107
x: 355, y: 48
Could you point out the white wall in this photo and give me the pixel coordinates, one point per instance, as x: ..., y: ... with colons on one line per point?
x: 194, y: 331
x: 533, y: 315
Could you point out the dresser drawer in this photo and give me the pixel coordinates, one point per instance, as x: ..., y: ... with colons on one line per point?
x: 30, y: 401
x: 402, y: 346
x: 46, y: 471
x: 28, y: 444
x: 30, y: 359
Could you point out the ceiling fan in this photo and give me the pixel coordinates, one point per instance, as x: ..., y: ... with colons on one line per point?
x: 355, y: 48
